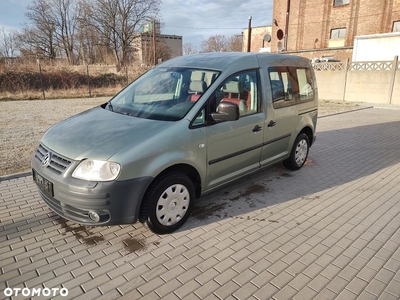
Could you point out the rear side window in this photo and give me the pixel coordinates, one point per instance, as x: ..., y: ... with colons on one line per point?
x: 282, y: 86
x: 306, y: 92
x: 290, y: 85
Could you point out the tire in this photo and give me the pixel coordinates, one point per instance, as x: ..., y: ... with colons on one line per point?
x: 299, y: 153
x: 169, y: 201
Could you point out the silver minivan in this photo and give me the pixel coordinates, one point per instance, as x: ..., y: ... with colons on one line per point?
x: 182, y: 129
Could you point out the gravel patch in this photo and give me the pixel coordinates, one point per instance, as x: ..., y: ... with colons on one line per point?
x: 23, y: 123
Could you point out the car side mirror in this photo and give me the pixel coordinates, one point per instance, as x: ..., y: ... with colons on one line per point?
x: 227, y: 111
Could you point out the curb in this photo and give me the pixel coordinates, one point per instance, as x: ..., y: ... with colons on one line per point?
x: 15, y: 176
x: 345, y: 112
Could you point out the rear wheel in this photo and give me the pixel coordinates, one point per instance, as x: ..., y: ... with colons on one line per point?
x: 170, y: 201
x: 299, y: 153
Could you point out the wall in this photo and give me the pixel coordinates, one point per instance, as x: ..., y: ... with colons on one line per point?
x: 376, y: 47
x: 331, y: 85
x: 257, y: 38
x: 338, y: 53
x: 396, y: 90
x: 374, y: 82
x: 174, y: 42
x: 367, y: 86
x: 143, y: 43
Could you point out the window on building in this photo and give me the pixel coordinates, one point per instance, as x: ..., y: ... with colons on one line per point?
x: 396, y: 26
x: 338, y: 33
x: 340, y: 2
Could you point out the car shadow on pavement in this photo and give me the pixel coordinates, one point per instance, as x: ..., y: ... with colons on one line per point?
x: 339, y: 156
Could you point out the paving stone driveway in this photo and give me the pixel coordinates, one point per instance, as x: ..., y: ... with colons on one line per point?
x: 328, y: 231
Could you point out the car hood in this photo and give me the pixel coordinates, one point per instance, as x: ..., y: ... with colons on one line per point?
x: 99, y: 134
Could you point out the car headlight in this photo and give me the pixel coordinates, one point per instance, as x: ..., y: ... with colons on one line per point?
x: 97, y: 170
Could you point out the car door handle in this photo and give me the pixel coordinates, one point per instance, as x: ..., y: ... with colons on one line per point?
x: 257, y: 128
x: 271, y: 124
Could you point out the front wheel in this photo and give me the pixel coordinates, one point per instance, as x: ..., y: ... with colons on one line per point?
x: 299, y: 153
x: 169, y: 200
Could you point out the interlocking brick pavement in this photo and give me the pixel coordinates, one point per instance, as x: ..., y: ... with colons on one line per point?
x: 328, y: 231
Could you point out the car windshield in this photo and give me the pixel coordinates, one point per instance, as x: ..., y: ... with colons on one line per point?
x: 163, y: 93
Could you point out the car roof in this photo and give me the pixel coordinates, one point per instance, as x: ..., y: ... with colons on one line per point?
x: 224, y: 60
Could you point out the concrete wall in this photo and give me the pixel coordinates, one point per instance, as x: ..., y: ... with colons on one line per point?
x: 174, y: 42
x: 331, y: 84
x: 396, y: 90
x: 352, y: 83
x: 368, y: 86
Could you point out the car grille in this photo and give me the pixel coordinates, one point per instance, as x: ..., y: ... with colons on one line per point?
x: 58, y: 164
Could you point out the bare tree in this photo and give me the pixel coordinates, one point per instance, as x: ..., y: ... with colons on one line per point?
x: 222, y: 43
x: 189, y: 48
x: 53, y: 25
x: 91, y: 48
x: 117, y: 21
x: 65, y: 19
x: 7, y: 43
x: 39, y: 38
x: 235, y: 43
x: 163, y: 51
x: 215, y: 43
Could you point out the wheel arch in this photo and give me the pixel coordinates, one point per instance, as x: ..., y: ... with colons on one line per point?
x: 188, y: 170
x: 309, y: 132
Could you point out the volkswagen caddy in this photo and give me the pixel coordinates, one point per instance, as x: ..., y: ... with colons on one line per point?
x: 182, y: 129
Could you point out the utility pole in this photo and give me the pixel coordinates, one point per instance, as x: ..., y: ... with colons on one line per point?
x: 154, y: 42
x: 41, y: 79
x: 287, y: 24
x: 249, y: 36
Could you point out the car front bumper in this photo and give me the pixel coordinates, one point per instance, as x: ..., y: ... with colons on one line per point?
x: 115, y: 202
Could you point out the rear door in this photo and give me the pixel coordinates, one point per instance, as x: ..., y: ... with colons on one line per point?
x: 282, y: 115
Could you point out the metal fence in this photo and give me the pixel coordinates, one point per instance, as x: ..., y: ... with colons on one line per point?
x: 45, y: 77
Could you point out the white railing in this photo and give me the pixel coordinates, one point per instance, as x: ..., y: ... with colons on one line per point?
x: 356, y: 66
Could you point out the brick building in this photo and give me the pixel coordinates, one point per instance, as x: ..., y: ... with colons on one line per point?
x: 258, y: 40
x: 317, y: 28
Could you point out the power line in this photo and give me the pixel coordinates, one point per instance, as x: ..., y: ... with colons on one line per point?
x: 206, y: 28
x: 203, y: 27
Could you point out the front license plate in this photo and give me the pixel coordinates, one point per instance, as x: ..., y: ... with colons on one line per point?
x: 44, y: 185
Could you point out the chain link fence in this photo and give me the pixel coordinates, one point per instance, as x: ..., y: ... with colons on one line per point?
x: 41, y: 81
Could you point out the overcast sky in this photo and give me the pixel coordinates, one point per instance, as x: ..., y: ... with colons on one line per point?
x: 195, y: 20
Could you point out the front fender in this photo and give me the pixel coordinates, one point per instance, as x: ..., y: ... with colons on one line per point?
x: 160, y: 153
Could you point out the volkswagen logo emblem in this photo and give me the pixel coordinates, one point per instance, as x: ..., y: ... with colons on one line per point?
x: 46, y: 160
